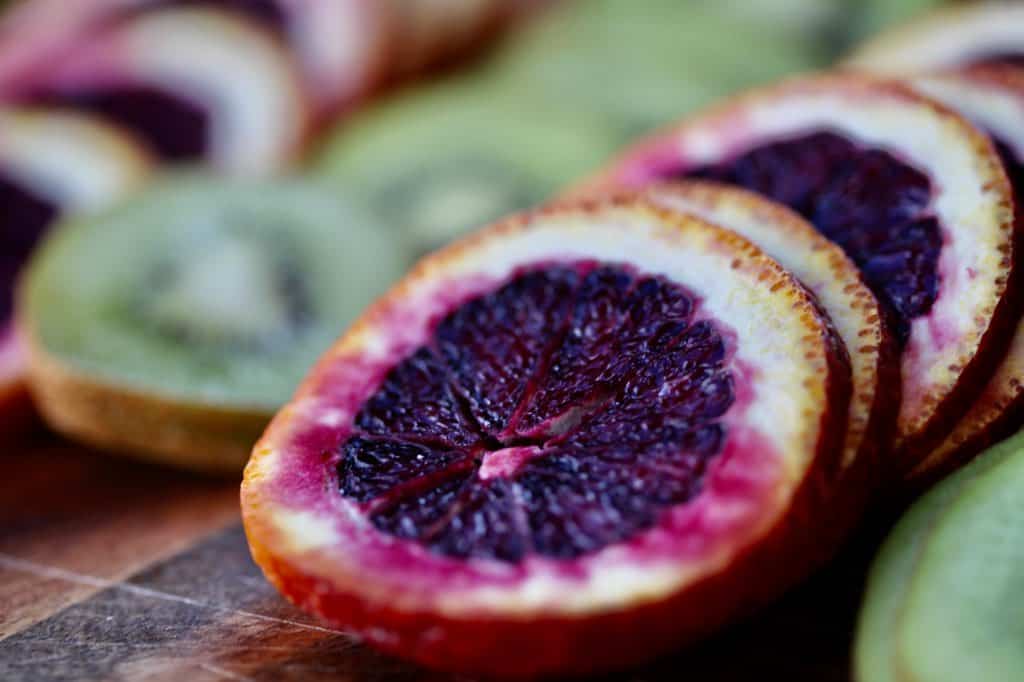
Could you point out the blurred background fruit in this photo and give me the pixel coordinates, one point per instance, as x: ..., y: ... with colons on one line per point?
x: 195, y: 84
x: 52, y: 164
x: 654, y: 64
x: 184, y: 350
x: 513, y: 99
x: 316, y: 148
x: 438, y: 161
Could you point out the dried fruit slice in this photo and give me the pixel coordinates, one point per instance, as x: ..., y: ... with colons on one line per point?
x: 339, y: 43
x: 993, y: 98
x: 941, y: 596
x: 915, y: 195
x: 974, y: 34
x: 560, y: 436
x: 858, y: 318
x: 442, y: 160
x: 183, y: 351
x: 50, y: 163
x: 194, y: 83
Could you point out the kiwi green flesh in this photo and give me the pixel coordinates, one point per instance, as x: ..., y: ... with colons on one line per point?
x: 655, y: 65
x: 943, y: 596
x: 207, y: 291
x: 442, y: 161
x: 964, y: 614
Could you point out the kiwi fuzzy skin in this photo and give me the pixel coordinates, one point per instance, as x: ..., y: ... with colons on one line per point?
x: 209, y: 439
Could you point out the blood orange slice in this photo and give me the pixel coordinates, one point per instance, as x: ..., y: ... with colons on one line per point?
x: 974, y: 34
x: 339, y: 43
x: 196, y: 84
x: 914, y: 194
x: 993, y: 98
x: 566, y: 444
x: 50, y: 164
x: 835, y: 280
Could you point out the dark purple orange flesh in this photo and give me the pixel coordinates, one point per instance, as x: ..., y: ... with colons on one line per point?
x: 554, y: 416
x: 23, y: 220
x: 174, y: 128
x: 1000, y: 58
x: 870, y: 203
x: 267, y: 12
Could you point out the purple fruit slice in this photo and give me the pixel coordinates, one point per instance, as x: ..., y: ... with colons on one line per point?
x: 835, y: 280
x: 993, y: 98
x: 973, y: 34
x: 196, y: 84
x: 591, y: 433
x: 339, y: 43
x: 915, y: 195
x: 50, y: 164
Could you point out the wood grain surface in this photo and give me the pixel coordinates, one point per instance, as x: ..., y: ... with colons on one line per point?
x: 116, y: 570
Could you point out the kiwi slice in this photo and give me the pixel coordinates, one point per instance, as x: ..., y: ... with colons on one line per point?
x: 943, y: 597
x: 443, y: 160
x: 174, y: 325
x: 655, y: 64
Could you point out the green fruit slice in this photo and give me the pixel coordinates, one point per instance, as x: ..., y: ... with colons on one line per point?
x: 943, y: 597
x: 202, y: 298
x: 654, y: 65
x: 442, y: 161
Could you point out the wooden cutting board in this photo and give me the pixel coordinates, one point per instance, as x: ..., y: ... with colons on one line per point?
x: 116, y: 570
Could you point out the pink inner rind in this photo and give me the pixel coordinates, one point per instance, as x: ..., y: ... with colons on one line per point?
x: 12, y: 355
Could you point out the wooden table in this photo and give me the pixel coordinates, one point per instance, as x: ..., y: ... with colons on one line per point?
x: 116, y: 570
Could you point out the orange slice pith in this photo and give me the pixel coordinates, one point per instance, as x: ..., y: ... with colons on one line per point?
x: 912, y: 192
x: 454, y: 483
x: 974, y: 34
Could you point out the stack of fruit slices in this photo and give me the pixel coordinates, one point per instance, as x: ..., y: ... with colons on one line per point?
x: 968, y: 58
x: 541, y: 451
x: 914, y: 194
x: 604, y: 428
x: 593, y: 431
